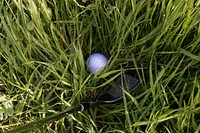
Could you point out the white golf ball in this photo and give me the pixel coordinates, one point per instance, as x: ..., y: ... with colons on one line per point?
x: 96, y: 62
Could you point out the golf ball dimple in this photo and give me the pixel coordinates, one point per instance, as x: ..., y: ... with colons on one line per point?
x: 96, y: 61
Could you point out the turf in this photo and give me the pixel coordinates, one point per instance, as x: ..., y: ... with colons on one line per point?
x: 44, y: 45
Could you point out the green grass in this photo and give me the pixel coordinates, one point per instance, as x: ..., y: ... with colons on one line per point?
x: 44, y: 45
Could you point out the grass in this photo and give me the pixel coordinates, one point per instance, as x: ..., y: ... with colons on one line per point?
x: 44, y: 45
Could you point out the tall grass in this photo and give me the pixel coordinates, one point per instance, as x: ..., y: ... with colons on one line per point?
x: 44, y: 45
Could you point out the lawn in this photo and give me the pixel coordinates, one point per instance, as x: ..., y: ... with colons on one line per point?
x: 44, y: 45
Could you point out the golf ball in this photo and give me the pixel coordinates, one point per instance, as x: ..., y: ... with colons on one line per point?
x: 96, y: 61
